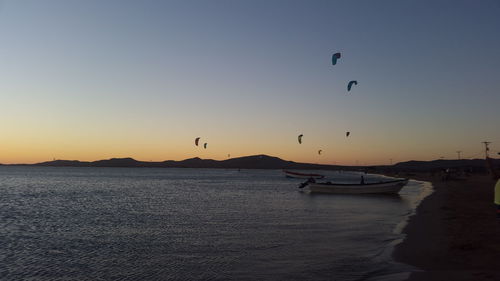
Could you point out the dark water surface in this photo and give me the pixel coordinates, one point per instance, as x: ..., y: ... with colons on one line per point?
x: 191, y: 224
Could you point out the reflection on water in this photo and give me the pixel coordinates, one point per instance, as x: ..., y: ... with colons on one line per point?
x: 190, y: 224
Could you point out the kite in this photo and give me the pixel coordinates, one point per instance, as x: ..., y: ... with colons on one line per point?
x: 351, y: 83
x: 335, y: 57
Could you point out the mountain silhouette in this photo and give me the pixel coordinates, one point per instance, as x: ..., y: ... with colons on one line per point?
x: 246, y: 162
x: 269, y: 162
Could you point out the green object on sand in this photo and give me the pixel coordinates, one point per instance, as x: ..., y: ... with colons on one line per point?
x: 497, y: 192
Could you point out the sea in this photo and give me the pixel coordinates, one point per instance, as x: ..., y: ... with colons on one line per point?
x: 69, y: 223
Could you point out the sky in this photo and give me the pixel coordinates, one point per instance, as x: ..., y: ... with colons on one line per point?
x: 90, y: 80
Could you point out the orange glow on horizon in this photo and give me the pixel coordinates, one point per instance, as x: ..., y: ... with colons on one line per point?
x: 41, y: 150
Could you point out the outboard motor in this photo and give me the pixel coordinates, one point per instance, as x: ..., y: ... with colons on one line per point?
x: 304, y: 184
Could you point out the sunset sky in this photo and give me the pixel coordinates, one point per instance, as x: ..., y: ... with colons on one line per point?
x: 92, y: 80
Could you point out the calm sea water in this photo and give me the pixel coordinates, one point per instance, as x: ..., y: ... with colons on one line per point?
x: 191, y: 224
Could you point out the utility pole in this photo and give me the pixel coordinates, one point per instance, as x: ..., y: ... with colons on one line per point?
x: 458, y: 152
x: 486, y: 148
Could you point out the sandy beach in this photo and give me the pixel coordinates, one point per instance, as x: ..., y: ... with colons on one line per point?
x: 455, y: 234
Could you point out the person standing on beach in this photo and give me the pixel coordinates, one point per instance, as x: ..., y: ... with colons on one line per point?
x: 496, y: 176
x: 497, y: 194
x: 497, y: 197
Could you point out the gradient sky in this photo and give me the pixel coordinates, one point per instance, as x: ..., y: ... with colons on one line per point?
x: 92, y: 80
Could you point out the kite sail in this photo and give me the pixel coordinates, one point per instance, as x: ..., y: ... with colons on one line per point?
x: 205, y: 145
x: 300, y: 138
x: 319, y: 151
x: 335, y: 57
x: 196, y: 141
x: 347, y: 134
x: 351, y: 83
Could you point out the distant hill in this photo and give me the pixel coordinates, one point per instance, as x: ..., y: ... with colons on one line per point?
x: 473, y: 164
x: 270, y: 162
x: 246, y: 162
x: 63, y: 163
x: 118, y: 162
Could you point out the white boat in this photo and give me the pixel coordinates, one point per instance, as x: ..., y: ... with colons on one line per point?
x: 297, y: 175
x: 387, y: 187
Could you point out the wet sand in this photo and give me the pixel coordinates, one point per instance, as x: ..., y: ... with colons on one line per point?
x: 455, y: 234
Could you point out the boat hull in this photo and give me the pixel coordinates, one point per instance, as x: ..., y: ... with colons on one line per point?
x: 391, y: 187
x: 297, y: 175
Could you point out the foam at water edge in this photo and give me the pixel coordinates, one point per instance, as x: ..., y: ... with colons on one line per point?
x: 401, y: 271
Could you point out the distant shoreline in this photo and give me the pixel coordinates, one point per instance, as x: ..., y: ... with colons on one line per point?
x: 271, y: 162
x: 246, y: 162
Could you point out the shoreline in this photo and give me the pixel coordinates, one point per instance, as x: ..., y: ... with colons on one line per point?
x: 454, y: 232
